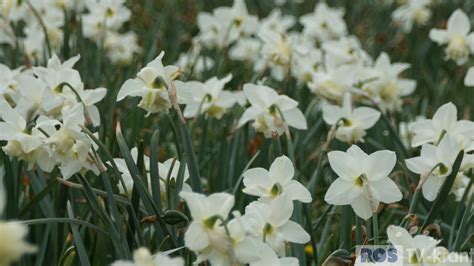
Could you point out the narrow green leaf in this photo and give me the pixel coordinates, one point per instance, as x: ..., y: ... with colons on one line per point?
x: 64, y: 220
x: 81, y: 250
x: 191, y: 159
x: 154, y: 171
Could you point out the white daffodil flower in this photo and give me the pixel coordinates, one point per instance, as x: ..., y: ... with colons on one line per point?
x: 265, y: 109
x: 444, y: 121
x: 151, y: 84
x: 418, y: 250
x: 306, y: 65
x: 193, y: 63
x: 271, y: 223
x: 143, y: 257
x: 324, y: 23
x: 208, y: 98
x: 121, y: 48
x: 246, y: 49
x: 351, y: 124
x: 12, y: 245
x: 68, y: 145
x: 276, y: 54
x: 247, y: 247
x: 206, y: 235
x: 363, y: 180
x: 226, y: 25
x: 104, y: 15
x: 64, y: 89
x: 457, y: 36
x: 269, y: 257
x: 412, y: 12
x: 387, y: 88
x: 345, y: 51
x: 277, y: 22
x: 434, y: 164
x: 268, y: 185
x: 24, y: 142
x: 9, y: 84
x: 333, y: 82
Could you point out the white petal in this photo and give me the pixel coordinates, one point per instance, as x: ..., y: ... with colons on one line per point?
x: 257, y: 181
x: 399, y: 236
x: 296, y: 191
x: 341, y: 192
x: 332, y: 114
x: 459, y: 22
x: 249, y: 114
x: 294, y: 233
x: 366, y: 117
x: 469, y: 79
x: 282, y: 170
x: 446, y: 115
x: 281, y: 209
x: 439, y: 36
x: 386, y: 191
x: 261, y: 96
x: 196, y: 238
x: 379, y: 164
x: 197, y: 204
x: 221, y: 203
x: 343, y: 165
x: 131, y: 87
x: 295, y: 118
x: 432, y: 186
x: 361, y: 207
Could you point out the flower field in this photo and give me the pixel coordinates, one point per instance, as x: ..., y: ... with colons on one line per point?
x: 236, y: 132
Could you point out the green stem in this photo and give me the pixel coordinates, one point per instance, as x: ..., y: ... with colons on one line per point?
x: 358, y: 231
x: 375, y: 224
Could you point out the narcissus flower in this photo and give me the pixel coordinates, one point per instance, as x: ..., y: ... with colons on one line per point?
x: 351, y: 124
x: 457, y: 36
x: 268, y: 185
x: 206, y: 235
x: 444, y: 121
x: 208, y: 98
x: 423, y: 250
x: 269, y: 257
x: 434, y: 164
x: 143, y: 257
x: 387, y: 87
x: 265, y: 109
x: 271, y: 223
x: 363, y: 180
x: 151, y: 84
x: 324, y: 23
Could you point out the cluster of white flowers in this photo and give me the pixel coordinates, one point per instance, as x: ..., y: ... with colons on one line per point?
x: 441, y: 139
x: 270, y: 111
x: 258, y: 237
x: 322, y: 55
x: 459, y: 40
x: 42, y: 111
x: 45, y: 21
